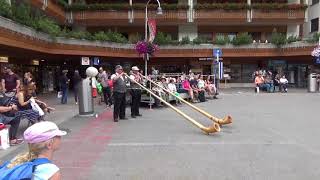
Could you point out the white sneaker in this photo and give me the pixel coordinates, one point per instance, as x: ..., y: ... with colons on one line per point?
x: 76, y: 103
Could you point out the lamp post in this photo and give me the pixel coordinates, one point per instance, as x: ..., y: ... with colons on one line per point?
x: 146, y: 57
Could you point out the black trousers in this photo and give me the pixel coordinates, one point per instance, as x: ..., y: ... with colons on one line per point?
x: 119, y: 108
x: 135, y: 101
x: 14, y: 125
x: 107, y: 95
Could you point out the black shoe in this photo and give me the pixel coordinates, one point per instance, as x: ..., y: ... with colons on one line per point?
x: 115, y: 120
x: 138, y: 114
x: 124, y: 118
x: 133, y: 116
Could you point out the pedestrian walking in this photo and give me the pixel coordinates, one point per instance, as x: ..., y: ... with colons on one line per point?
x: 30, y: 84
x: 76, y: 85
x: 103, y: 79
x: 135, y: 91
x: 119, y: 94
x: 64, y: 85
x: 43, y: 140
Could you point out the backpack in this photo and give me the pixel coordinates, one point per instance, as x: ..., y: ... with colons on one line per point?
x: 21, y: 172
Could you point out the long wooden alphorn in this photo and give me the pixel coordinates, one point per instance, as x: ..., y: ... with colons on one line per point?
x: 215, y: 127
x: 225, y: 120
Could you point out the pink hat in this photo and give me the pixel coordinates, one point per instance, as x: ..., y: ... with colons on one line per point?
x: 42, y: 131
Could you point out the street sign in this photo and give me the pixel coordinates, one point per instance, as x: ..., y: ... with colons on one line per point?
x: 206, y: 59
x: 96, y: 61
x: 217, y: 53
x: 318, y: 60
x: 85, y: 61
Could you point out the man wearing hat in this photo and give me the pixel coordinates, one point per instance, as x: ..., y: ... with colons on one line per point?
x: 135, y: 91
x: 119, y: 94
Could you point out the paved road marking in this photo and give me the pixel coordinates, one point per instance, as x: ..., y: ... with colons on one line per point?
x: 195, y: 143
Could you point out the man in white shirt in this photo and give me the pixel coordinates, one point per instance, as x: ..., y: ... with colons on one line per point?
x: 135, y: 91
x: 284, y: 83
x: 119, y: 94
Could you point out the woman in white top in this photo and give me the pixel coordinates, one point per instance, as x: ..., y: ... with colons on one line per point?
x: 284, y: 83
x: 43, y: 140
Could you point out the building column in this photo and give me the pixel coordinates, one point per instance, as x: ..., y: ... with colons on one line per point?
x: 294, y: 1
x: 249, y: 12
x: 188, y: 30
x: 190, y: 14
x: 9, y: 1
x: 293, y: 30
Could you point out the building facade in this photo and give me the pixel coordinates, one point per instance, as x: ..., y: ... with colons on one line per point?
x: 209, y: 24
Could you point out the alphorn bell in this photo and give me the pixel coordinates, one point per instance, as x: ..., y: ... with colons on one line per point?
x: 215, y: 127
x: 225, y: 120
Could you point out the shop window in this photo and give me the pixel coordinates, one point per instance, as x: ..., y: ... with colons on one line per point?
x: 315, y: 2
x: 315, y: 25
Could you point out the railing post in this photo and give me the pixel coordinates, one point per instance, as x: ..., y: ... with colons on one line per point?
x: 44, y: 4
x: 190, y: 13
x: 249, y: 12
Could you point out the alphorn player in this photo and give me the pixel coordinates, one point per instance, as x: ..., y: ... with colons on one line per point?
x: 135, y: 91
x: 119, y: 94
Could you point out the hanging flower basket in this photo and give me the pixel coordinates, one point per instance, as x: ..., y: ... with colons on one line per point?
x: 316, y: 51
x: 143, y: 47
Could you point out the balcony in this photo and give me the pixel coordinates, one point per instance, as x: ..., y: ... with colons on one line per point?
x: 168, y: 16
x: 124, y: 17
x: 204, y: 16
x: 52, y: 9
x: 278, y: 16
x: 101, y: 17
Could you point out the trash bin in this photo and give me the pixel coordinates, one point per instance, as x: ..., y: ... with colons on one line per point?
x: 85, y: 98
x: 313, y: 85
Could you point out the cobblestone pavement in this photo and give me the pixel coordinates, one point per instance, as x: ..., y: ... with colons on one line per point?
x: 274, y: 136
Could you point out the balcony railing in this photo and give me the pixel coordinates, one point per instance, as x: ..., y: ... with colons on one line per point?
x: 125, y: 16
x: 278, y: 15
x: 106, y: 16
x: 167, y: 16
x: 225, y: 16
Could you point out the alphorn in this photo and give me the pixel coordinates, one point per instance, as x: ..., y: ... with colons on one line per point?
x: 215, y: 127
x: 225, y: 120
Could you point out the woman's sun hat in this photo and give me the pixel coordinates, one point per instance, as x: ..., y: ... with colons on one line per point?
x: 41, y: 132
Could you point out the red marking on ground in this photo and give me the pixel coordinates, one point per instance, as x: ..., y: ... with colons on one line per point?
x: 81, y: 149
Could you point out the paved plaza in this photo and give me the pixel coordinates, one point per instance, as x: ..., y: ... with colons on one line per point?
x: 274, y: 136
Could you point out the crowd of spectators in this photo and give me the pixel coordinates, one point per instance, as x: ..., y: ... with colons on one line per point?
x: 268, y: 81
x: 193, y: 86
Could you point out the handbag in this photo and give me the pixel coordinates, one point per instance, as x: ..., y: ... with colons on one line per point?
x: 4, y: 138
x: 36, y: 107
x: 59, y: 95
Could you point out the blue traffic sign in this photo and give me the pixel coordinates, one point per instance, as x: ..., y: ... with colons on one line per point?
x: 217, y: 52
x: 318, y: 60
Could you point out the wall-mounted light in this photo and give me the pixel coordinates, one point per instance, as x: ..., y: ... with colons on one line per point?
x: 4, y: 59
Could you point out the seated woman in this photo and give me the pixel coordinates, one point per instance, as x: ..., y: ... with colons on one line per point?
x: 186, y: 88
x: 284, y: 83
x: 23, y: 101
x: 260, y: 83
x: 172, y: 88
x: 211, y: 88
